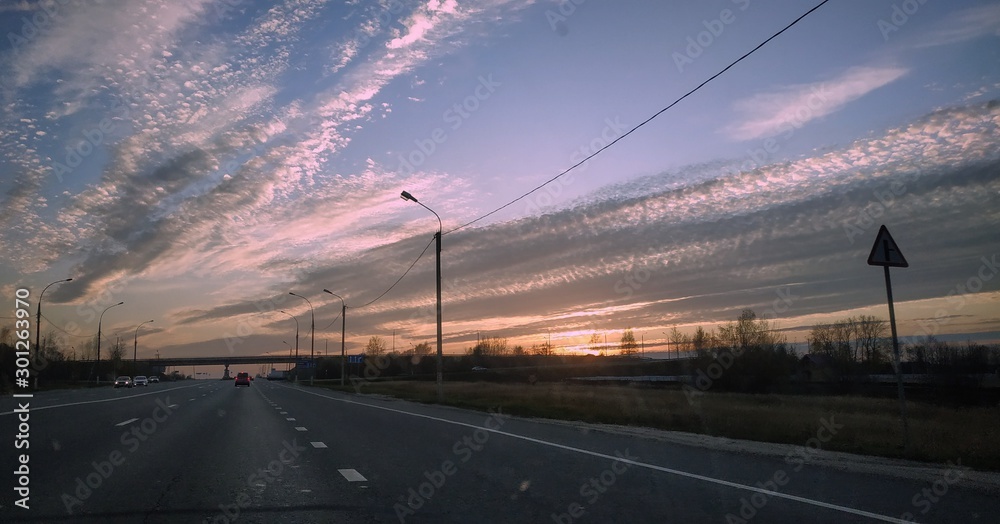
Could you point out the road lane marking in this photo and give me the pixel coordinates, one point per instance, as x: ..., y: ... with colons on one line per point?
x: 318, y: 445
x: 283, y: 413
x: 680, y: 473
x: 352, y: 475
x: 39, y: 408
x: 129, y: 421
x: 300, y: 428
x: 290, y: 418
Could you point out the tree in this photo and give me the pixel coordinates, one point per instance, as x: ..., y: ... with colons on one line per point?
x: 422, y: 349
x: 595, y: 344
x: 679, y: 340
x: 701, y: 340
x: 375, y: 347
x: 628, y: 345
x: 490, y: 346
x: 545, y: 349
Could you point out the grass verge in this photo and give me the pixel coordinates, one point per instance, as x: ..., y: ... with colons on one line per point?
x: 871, y: 426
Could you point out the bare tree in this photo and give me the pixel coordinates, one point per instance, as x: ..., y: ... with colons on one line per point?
x: 628, y: 345
x: 375, y: 347
x: 595, y: 344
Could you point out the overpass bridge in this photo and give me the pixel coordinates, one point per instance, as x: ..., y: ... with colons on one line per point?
x: 226, y: 361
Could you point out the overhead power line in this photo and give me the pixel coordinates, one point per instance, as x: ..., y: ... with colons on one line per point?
x: 644, y: 122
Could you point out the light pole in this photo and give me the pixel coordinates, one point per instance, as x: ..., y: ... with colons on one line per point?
x: 135, y: 346
x: 296, y: 344
x: 312, y: 338
x: 38, y: 317
x: 99, y: 339
x: 437, y: 236
x: 289, y: 352
x: 343, y: 331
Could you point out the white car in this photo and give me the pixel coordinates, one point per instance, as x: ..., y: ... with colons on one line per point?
x: 140, y: 381
x: 154, y: 378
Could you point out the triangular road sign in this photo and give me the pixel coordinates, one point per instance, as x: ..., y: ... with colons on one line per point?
x: 885, y: 252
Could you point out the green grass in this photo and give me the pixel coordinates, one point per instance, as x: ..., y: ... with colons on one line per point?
x: 871, y: 426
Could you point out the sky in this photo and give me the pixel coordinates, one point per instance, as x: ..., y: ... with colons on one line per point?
x: 199, y: 160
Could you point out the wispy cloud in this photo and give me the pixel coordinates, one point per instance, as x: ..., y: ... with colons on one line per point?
x: 789, y: 107
x: 962, y: 26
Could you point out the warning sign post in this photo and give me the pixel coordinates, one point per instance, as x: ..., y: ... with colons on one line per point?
x: 886, y: 253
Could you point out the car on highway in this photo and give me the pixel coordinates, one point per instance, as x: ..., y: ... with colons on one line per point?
x: 154, y: 379
x: 242, y: 379
x: 140, y: 380
x: 123, y: 382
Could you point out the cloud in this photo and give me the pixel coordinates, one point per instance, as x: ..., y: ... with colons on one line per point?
x: 661, y: 252
x: 789, y: 107
x: 962, y: 26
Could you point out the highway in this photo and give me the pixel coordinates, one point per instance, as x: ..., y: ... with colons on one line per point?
x: 206, y: 451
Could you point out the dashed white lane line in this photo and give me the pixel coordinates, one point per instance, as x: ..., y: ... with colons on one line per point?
x: 290, y: 419
x: 352, y: 475
x: 318, y: 445
x: 129, y: 421
x: 300, y: 428
x: 282, y: 412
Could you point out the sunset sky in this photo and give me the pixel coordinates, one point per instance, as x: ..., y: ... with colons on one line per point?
x: 200, y: 159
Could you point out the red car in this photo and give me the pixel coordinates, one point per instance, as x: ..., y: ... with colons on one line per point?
x: 243, y: 379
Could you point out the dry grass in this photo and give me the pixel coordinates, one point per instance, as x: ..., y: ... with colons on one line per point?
x: 870, y: 426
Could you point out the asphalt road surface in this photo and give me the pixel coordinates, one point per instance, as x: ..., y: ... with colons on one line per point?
x: 201, y: 451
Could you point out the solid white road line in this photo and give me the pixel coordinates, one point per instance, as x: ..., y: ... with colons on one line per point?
x: 695, y: 476
x: 352, y: 475
x: 129, y: 421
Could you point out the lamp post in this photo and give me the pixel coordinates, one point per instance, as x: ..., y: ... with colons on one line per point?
x: 343, y: 331
x: 38, y: 317
x: 289, y: 352
x: 312, y: 338
x: 296, y: 343
x: 440, y: 374
x: 99, y: 321
x: 135, y: 346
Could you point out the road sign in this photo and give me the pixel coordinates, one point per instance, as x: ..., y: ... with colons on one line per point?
x: 355, y: 359
x: 885, y: 252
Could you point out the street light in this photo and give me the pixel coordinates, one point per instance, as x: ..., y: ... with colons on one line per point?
x: 38, y: 318
x: 312, y: 338
x: 343, y: 331
x: 437, y: 236
x: 98, y: 365
x: 135, y: 346
x: 289, y: 352
x: 296, y: 343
